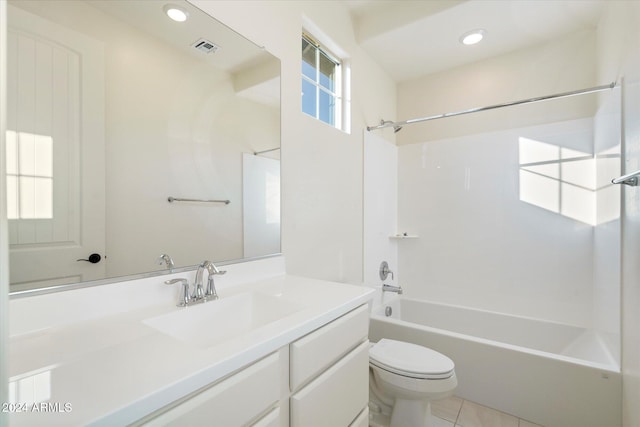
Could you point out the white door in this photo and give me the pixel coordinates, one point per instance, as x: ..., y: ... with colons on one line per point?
x: 55, y: 153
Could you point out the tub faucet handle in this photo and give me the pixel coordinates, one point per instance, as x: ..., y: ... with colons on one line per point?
x: 384, y: 271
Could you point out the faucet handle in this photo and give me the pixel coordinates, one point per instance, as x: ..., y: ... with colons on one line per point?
x: 385, y: 271
x: 210, y: 293
x: 184, y: 298
x: 216, y: 271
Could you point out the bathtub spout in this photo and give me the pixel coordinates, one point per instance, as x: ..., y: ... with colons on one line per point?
x: 389, y: 288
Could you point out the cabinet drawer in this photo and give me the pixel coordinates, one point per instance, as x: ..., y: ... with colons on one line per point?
x: 234, y: 401
x: 316, y: 351
x: 337, y: 396
x: 272, y: 419
x: 362, y: 420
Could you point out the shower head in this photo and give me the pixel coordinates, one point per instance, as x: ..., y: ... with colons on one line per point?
x: 396, y: 128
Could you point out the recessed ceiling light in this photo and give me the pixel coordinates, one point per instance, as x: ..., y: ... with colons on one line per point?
x: 472, y: 37
x: 177, y: 13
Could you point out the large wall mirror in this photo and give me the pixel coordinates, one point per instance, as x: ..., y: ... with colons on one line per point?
x: 113, y: 109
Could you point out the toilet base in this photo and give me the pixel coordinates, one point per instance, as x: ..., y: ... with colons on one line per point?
x: 406, y: 414
x: 411, y: 413
x: 379, y: 412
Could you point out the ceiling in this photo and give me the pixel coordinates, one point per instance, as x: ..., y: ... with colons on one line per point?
x: 413, y: 38
x: 234, y: 50
x: 256, y: 73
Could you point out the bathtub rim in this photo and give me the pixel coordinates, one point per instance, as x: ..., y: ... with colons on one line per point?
x: 377, y: 313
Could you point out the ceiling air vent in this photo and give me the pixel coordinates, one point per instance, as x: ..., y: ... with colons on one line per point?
x: 206, y: 46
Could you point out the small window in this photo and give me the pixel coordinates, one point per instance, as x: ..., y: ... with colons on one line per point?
x: 321, y: 83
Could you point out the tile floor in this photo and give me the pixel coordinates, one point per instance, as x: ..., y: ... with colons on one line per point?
x: 457, y: 412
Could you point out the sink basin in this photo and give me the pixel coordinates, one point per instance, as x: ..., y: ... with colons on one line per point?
x: 213, y: 322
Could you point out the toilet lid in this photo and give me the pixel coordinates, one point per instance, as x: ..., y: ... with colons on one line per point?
x: 410, y: 360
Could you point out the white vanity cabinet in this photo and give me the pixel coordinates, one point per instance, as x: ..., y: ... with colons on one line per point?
x: 248, y: 397
x: 329, y: 373
x: 275, y: 350
x: 321, y: 379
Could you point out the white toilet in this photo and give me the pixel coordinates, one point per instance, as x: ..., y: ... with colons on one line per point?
x: 403, y: 379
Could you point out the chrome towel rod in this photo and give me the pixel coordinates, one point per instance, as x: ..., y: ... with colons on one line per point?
x: 493, y: 107
x: 255, y: 153
x: 175, y: 199
x: 629, y: 179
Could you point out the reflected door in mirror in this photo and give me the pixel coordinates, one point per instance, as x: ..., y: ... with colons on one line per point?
x: 53, y: 95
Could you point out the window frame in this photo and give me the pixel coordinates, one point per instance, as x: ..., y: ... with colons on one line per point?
x: 337, y: 93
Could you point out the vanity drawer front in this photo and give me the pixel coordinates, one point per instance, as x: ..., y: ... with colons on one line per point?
x: 272, y: 419
x: 257, y: 387
x: 316, y: 351
x: 337, y: 396
x: 362, y: 420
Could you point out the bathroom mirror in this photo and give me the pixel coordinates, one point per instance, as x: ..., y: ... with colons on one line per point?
x: 131, y: 135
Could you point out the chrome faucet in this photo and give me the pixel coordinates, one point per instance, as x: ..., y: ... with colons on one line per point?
x: 184, y: 298
x: 164, y: 258
x: 389, y: 288
x: 199, y: 293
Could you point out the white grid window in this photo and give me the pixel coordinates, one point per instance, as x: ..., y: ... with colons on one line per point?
x: 321, y: 83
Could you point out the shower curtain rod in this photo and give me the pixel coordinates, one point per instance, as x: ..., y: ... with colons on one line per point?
x: 492, y: 107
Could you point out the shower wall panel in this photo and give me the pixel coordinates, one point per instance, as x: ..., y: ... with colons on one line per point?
x: 505, y: 220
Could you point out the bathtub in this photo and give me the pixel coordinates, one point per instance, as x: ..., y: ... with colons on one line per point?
x: 552, y: 374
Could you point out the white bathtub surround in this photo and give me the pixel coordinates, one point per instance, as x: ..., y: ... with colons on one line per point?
x: 506, y: 221
x: 380, y: 211
x: 92, y: 349
x: 553, y: 374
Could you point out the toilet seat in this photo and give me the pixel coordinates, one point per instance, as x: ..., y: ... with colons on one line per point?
x: 410, y: 360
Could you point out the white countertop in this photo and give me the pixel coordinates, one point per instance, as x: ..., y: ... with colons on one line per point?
x: 114, y: 369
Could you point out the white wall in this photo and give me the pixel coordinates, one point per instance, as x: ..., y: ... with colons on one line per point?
x: 631, y: 243
x: 321, y: 166
x: 619, y: 56
x: 619, y: 51
x: 4, y: 242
